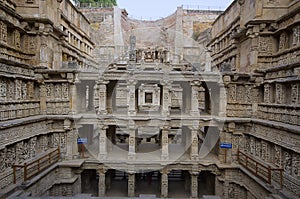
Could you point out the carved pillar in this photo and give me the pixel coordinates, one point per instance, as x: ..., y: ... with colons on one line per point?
x: 164, y: 184
x: 194, y: 154
x: 103, y: 97
x: 132, y: 140
x: 101, y: 182
x: 73, y: 100
x: 267, y: 93
x: 195, y: 98
x: 102, y: 142
x: 71, y: 145
x: 165, y: 143
x: 194, y: 184
x: 166, y: 103
x: 131, y: 184
x: 131, y: 101
x: 222, y: 100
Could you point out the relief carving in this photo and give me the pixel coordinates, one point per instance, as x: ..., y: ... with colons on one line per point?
x: 295, y: 93
x: 3, y: 32
x: 17, y: 39
x: 3, y: 86
x: 287, y: 162
x: 57, y: 91
x: 277, y: 155
x: 296, y: 35
x: 282, y: 41
x: 18, y: 89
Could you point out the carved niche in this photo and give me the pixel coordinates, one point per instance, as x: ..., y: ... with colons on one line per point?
x: 149, y: 97
x: 176, y: 96
x: 267, y: 93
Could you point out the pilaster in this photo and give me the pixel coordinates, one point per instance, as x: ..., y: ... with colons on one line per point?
x: 101, y: 182
x: 195, y: 98
x: 165, y: 143
x: 132, y: 140
x: 103, y: 97
x: 166, y: 98
x: 194, y: 144
x: 164, y: 184
x: 131, y: 184
x: 131, y: 100
x: 102, y: 142
x: 194, y: 184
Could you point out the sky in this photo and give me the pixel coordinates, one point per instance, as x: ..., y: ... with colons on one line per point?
x: 156, y: 9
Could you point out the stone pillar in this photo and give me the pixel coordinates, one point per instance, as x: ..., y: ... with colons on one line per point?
x: 101, y: 182
x: 102, y: 142
x: 222, y: 100
x: 208, y: 61
x: 165, y: 143
x: 166, y: 100
x: 132, y: 140
x: 131, y: 101
x: 194, y: 184
x: 73, y: 100
x: 164, y: 184
x: 103, y: 97
x: 195, y: 98
x: 131, y: 184
x: 194, y: 144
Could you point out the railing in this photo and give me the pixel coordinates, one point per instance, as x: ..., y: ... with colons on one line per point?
x: 33, y: 168
x: 262, y: 171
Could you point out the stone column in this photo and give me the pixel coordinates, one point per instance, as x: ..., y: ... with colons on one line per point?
x: 131, y: 101
x: 166, y: 100
x: 131, y: 184
x: 194, y: 184
x: 195, y: 98
x: 164, y: 184
x: 101, y: 182
x: 102, y: 142
x: 222, y: 100
x: 194, y: 144
x: 132, y: 140
x: 165, y: 143
x: 74, y: 96
x: 103, y: 97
